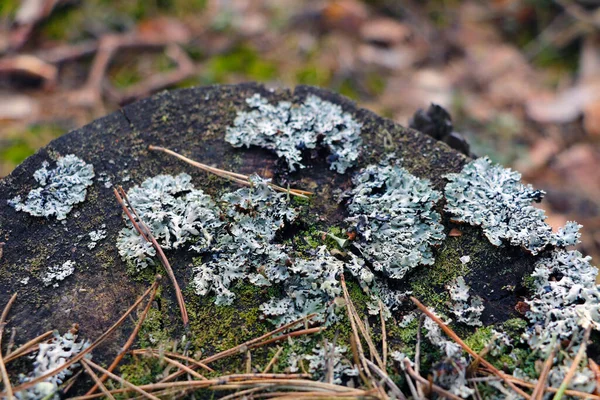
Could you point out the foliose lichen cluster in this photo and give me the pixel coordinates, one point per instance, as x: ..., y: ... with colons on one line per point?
x: 321, y: 357
x: 59, y: 188
x: 493, y: 197
x: 566, y: 298
x: 465, y: 311
x: 51, y: 355
x: 288, y: 129
x: 176, y: 213
x: 57, y: 273
x: 393, y: 214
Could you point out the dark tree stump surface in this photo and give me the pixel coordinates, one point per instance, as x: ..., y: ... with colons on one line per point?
x: 192, y: 122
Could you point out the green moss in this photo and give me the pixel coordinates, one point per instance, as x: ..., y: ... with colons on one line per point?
x: 243, y: 60
x: 314, y: 75
x: 480, y: 339
x: 20, y: 144
x: 63, y: 24
x: 514, y: 327
x: 8, y: 8
x: 141, y: 370
x: 155, y: 329
x: 529, y: 282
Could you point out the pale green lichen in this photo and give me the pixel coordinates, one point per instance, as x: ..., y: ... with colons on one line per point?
x: 60, y: 188
x: 57, y: 273
x: 466, y: 312
x: 288, y: 129
x: 493, y: 197
x: 51, y: 355
x: 566, y: 298
x: 393, y: 213
x: 176, y: 213
x: 321, y: 358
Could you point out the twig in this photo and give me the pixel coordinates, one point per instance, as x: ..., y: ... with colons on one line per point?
x: 129, y: 341
x: 119, y: 379
x: 355, y: 336
x: 582, y: 347
x: 418, y: 356
x: 185, y: 68
x: 575, y: 393
x: 596, y: 370
x: 434, y: 387
x: 538, y: 392
x: 248, y: 361
x: 184, y: 368
x: 99, y: 383
x: 302, y: 332
x: 411, y: 385
x: 239, y: 178
x: 158, y: 353
x: 11, y: 342
x: 82, y: 354
x: 142, y: 228
x: 462, y: 344
x: 7, y: 386
x: 7, y: 308
x: 247, y: 344
x: 384, y: 376
x: 25, y: 347
x: 273, y: 360
x: 383, y: 335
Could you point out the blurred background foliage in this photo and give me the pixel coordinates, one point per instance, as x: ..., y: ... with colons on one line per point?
x: 520, y: 78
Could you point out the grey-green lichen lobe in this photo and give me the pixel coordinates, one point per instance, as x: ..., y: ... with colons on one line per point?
x: 60, y: 188
x: 566, y: 298
x: 288, y: 129
x: 51, y: 355
x: 494, y: 198
x: 393, y: 213
x: 175, y: 212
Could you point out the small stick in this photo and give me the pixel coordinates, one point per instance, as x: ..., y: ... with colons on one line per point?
x: 95, y: 344
x: 361, y: 326
x: 411, y: 386
x: 184, y: 367
x: 565, y: 383
x: 156, y: 353
x: 99, y: 383
x: 161, y: 255
x: 384, y: 376
x: 273, y: 360
x: 239, y: 178
x: 594, y: 367
x: 575, y: 393
x: 11, y: 342
x: 129, y: 341
x: 418, y: 356
x: 383, y: 335
x: 435, y: 388
x: 288, y: 335
x: 4, y: 374
x: 23, y: 349
x: 119, y: 379
x: 462, y: 344
x: 540, y: 388
x: 248, y: 361
x: 233, y: 350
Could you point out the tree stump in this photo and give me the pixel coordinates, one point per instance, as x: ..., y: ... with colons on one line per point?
x: 193, y: 123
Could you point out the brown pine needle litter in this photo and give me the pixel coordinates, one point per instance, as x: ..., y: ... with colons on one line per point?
x: 145, y: 232
x: 265, y: 385
x: 232, y: 176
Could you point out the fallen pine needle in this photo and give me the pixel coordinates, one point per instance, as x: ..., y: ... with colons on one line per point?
x: 239, y: 178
